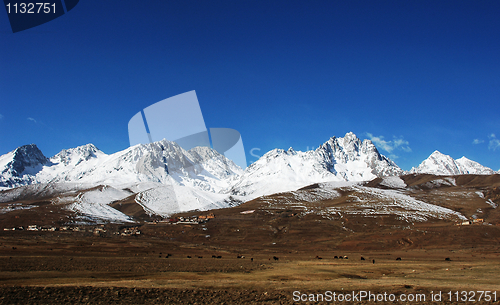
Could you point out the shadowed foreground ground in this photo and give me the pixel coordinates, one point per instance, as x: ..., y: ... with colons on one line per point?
x: 48, y: 269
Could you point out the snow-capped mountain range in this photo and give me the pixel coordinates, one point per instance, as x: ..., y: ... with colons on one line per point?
x: 155, y: 162
x: 441, y: 164
x: 163, y: 178
x: 338, y: 159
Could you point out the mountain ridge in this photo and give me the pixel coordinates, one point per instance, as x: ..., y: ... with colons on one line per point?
x: 163, y: 178
x: 338, y: 159
x: 440, y: 164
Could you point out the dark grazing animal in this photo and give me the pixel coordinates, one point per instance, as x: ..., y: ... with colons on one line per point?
x: 276, y: 258
x: 398, y: 258
x: 362, y: 258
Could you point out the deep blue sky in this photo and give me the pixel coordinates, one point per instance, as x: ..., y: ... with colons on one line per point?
x: 419, y: 75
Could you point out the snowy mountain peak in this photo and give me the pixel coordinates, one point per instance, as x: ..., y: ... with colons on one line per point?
x: 77, y: 155
x: 27, y: 156
x: 472, y: 167
x: 338, y: 159
x: 351, y: 137
x: 18, y: 160
x: 24, y: 160
x: 438, y: 154
x: 346, y: 148
x: 351, y: 149
x: 272, y: 154
x: 350, y: 142
x: 440, y: 164
x: 220, y: 166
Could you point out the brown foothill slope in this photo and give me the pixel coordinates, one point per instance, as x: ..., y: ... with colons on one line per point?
x: 471, y: 181
x: 129, y: 207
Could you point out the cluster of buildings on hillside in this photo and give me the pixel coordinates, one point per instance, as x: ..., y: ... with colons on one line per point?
x: 99, y: 230
x: 51, y: 228
x: 185, y: 220
x: 476, y: 221
x: 33, y: 228
x: 129, y: 231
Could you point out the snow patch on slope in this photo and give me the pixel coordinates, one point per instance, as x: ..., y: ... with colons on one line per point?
x: 315, y: 195
x: 95, y: 204
x: 393, y: 182
x: 447, y: 181
x: 160, y: 200
x: 394, y: 202
x: 492, y: 204
x: 41, y: 190
x: 168, y: 199
x: 16, y: 206
x: 364, y: 201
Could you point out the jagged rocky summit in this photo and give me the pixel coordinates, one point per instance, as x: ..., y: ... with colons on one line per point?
x: 338, y: 159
